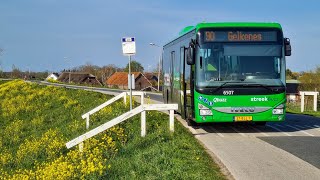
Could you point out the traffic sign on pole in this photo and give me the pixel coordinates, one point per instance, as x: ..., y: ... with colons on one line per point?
x: 128, y: 46
x: 129, y: 49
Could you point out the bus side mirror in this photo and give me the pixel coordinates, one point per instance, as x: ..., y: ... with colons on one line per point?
x: 287, y: 47
x: 190, y: 54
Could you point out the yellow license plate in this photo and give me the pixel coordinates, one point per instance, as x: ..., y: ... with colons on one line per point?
x: 243, y: 118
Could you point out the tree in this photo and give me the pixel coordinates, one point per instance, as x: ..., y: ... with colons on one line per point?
x: 135, y: 67
x: 15, y: 73
x: 310, y: 81
x: 291, y: 75
x: 107, y: 71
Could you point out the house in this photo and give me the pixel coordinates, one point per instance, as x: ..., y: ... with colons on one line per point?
x: 120, y: 80
x: 292, y: 90
x: 53, y: 76
x: 79, y: 78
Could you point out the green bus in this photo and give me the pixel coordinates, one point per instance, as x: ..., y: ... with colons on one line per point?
x: 227, y: 72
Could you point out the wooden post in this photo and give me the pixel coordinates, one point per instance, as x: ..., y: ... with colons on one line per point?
x: 171, y: 120
x: 125, y: 99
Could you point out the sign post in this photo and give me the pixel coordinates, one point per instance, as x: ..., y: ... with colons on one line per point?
x: 129, y: 49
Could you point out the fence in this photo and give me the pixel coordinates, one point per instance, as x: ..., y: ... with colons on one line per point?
x: 140, y: 109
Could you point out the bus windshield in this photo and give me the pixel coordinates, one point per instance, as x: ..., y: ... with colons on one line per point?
x: 218, y: 63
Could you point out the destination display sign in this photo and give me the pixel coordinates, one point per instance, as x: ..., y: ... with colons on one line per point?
x: 240, y: 36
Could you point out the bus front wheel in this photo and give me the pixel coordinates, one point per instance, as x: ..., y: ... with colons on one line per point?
x: 190, y: 122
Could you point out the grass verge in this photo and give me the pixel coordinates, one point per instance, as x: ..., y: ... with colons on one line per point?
x: 296, y: 109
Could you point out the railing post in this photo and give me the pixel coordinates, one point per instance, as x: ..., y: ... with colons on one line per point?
x: 143, y: 118
x: 315, y: 103
x: 171, y: 123
x: 143, y: 123
x: 87, y: 121
x: 125, y: 99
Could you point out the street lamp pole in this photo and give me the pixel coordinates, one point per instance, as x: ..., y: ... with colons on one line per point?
x: 153, y: 44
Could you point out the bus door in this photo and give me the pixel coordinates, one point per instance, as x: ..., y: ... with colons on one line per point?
x: 171, y: 70
x: 187, y: 100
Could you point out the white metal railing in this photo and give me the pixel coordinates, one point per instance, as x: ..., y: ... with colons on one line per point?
x: 140, y: 109
x: 110, y: 101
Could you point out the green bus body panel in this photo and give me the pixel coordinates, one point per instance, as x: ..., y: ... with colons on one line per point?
x: 229, y: 101
x: 239, y: 101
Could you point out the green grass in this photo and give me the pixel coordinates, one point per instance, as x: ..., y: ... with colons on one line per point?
x: 161, y: 154
x: 28, y: 112
x: 296, y: 109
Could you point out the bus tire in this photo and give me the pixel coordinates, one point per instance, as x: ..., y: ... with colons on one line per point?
x: 262, y: 123
x: 191, y: 122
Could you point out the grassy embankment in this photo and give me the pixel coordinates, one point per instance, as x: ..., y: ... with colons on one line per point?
x: 36, y: 122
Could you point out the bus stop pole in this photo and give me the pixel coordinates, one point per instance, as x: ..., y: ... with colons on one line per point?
x: 130, y: 83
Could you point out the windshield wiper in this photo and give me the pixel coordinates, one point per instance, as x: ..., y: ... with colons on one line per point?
x: 258, y: 85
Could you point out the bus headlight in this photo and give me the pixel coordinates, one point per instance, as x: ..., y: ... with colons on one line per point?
x: 278, y: 109
x: 205, y: 112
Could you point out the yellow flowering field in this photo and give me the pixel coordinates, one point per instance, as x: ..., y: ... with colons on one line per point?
x: 36, y: 122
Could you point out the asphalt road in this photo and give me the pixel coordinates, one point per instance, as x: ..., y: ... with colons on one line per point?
x: 285, y: 150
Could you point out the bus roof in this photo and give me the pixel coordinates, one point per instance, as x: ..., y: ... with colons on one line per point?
x: 228, y: 25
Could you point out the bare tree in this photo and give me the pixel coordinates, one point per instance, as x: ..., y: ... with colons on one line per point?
x: 15, y: 73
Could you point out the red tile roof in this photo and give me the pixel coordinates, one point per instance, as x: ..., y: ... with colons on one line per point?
x: 121, y: 78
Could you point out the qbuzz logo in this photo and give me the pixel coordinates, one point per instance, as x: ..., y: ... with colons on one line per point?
x: 205, y: 100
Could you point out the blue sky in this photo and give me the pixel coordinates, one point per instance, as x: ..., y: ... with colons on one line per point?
x: 38, y: 34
